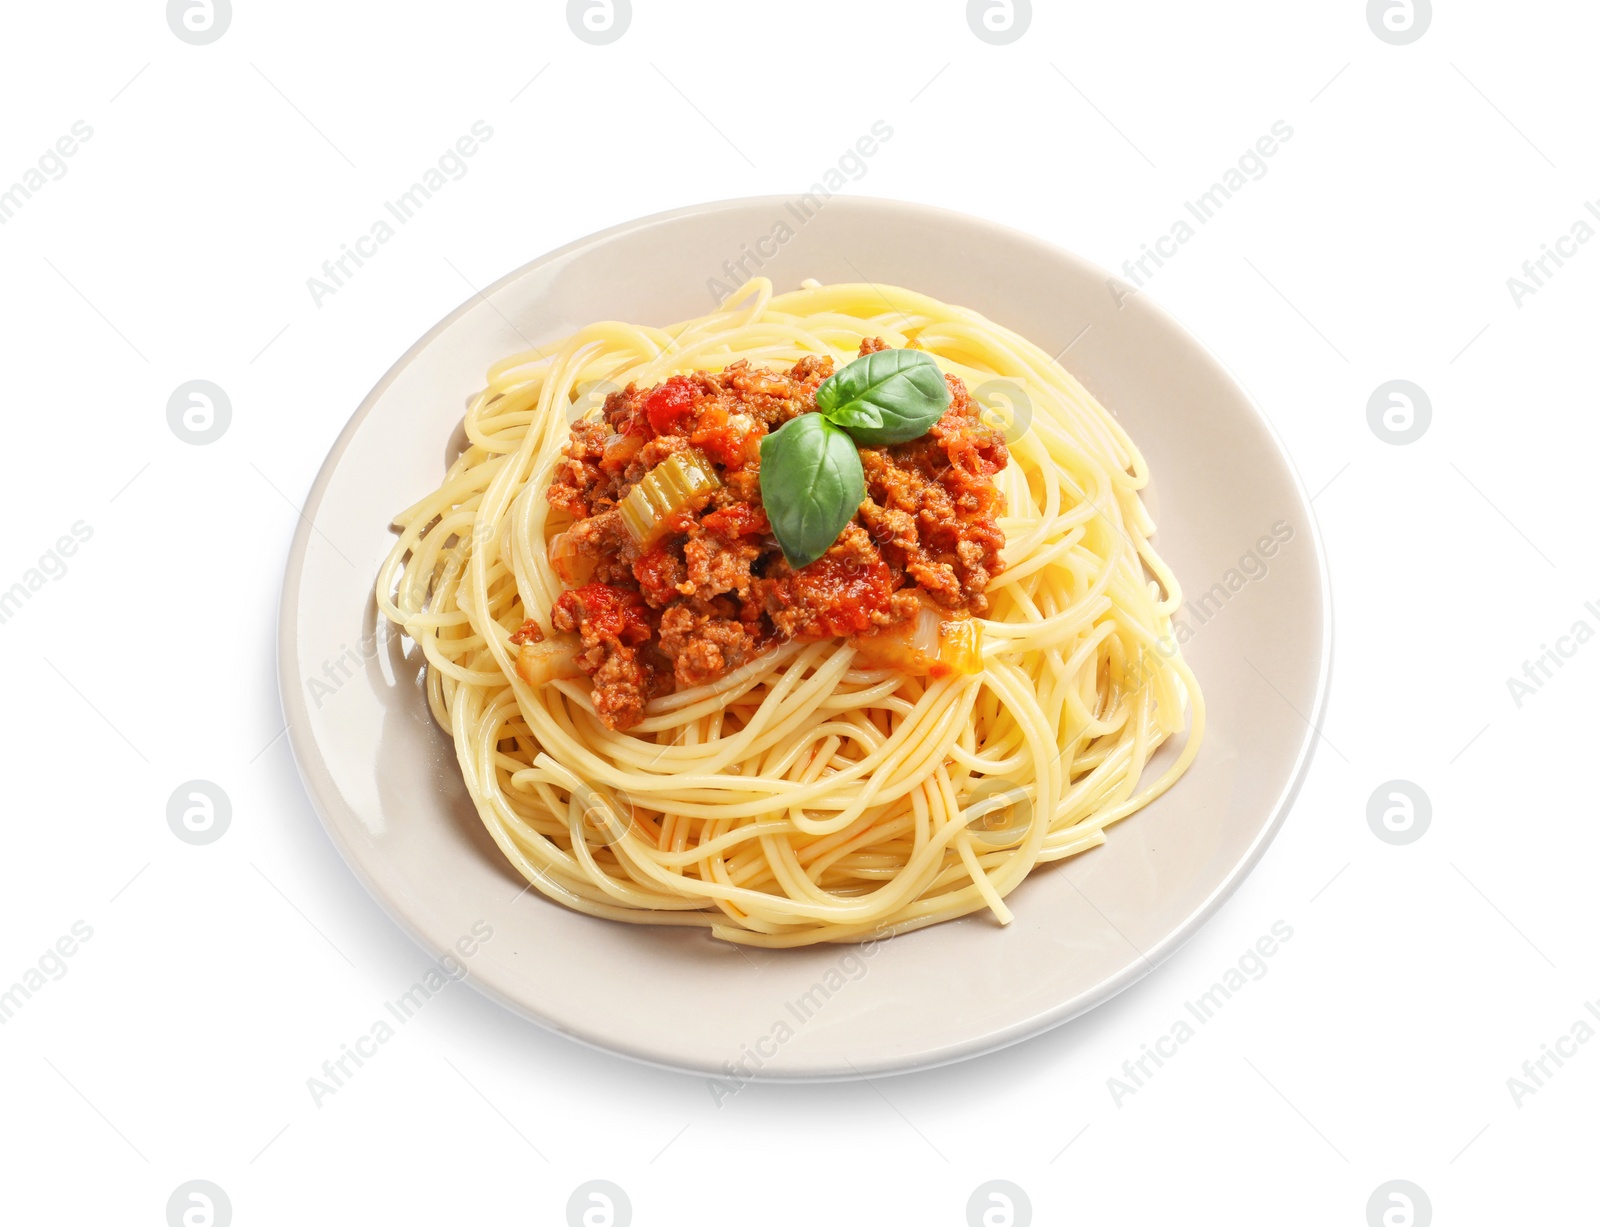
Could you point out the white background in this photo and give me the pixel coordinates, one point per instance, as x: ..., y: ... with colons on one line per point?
x: 177, y: 246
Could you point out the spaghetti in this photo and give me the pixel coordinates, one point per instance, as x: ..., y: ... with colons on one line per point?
x: 805, y: 796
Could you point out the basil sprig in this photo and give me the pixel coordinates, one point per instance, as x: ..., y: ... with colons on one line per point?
x: 891, y: 396
x: 811, y: 479
x: 811, y: 485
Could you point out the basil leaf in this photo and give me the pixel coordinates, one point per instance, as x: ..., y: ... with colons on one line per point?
x: 811, y: 485
x: 858, y: 415
x: 902, y: 388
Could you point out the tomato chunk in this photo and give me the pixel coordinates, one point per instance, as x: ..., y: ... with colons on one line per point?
x: 671, y: 404
x: 737, y: 520
x: 605, y: 611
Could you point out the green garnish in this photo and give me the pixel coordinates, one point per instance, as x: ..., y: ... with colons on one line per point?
x: 811, y: 479
x: 811, y: 485
x: 892, y: 396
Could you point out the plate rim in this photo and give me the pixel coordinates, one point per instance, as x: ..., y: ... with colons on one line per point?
x: 317, y: 781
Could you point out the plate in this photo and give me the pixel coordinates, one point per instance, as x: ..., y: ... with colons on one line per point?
x: 1233, y: 521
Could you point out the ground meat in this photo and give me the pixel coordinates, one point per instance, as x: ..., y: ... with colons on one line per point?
x: 662, y: 575
x: 621, y: 683
x: 579, y: 480
x: 653, y: 453
x: 602, y: 537
x: 932, y: 503
x: 717, y: 591
x: 702, y: 648
x: 613, y: 624
x: 848, y: 591
x: 716, y: 566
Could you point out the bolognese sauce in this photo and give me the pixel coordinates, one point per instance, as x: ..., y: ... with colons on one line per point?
x: 713, y: 590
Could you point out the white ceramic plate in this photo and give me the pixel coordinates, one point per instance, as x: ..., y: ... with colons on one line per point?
x: 384, y: 777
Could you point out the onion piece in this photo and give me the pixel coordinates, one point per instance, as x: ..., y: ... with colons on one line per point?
x: 619, y: 450
x: 960, y: 647
x: 549, y: 660
x: 569, y: 565
x: 929, y: 645
x: 674, y: 485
